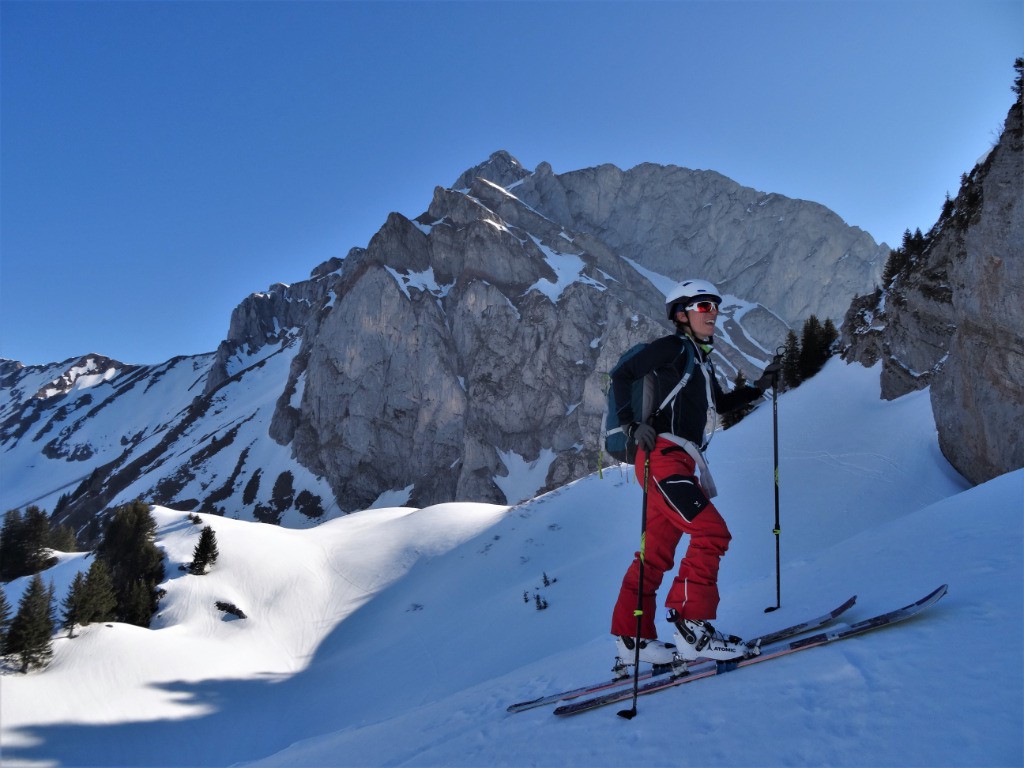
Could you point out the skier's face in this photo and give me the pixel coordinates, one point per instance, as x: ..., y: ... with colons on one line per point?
x: 702, y: 323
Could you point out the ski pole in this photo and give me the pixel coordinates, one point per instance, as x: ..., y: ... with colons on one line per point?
x: 778, y: 529
x: 629, y: 714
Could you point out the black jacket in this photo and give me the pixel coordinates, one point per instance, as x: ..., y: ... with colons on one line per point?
x: 666, y: 359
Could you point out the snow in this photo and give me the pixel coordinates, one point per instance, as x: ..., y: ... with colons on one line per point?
x: 423, y: 281
x: 80, y: 377
x: 398, y: 636
x: 523, y: 478
x: 148, y: 401
x: 658, y: 280
x: 393, y: 498
x: 568, y: 269
x: 130, y: 414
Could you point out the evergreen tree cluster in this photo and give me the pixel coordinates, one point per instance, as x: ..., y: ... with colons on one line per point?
x: 26, y: 540
x: 136, y: 565
x: 121, y: 584
x: 802, y: 358
x: 91, y: 598
x: 902, y: 260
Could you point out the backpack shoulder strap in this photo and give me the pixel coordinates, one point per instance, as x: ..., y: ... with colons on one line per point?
x: 687, y: 351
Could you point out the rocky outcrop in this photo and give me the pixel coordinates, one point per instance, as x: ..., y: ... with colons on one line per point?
x: 261, y: 319
x: 951, y: 316
x: 978, y: 395
x: 476, y: 339
x: 797, y: 257
x: 907, y: 326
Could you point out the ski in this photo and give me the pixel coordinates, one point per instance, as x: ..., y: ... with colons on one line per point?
x: 768, y: 639
x: 771, y: 651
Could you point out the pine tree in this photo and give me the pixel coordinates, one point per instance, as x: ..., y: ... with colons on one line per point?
x: 25, y: 542
x: 62, y: 539
x: 61, y: 504
x: 205, y: 553
x: 791, y: 362
x: 30, y: 636
x: 100, y: 602
x: 894, y: 265
x: 816, y: 346
x: 136, y: 565
x: 73, y: 604
x: 12, y: 546
x: 829, y: 334
x: 137, y: 605
x: 37, y: 540
x: 5, y: 618
x: 810, y: 342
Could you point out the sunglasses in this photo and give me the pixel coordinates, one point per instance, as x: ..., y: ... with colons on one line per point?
x: 703, y: 307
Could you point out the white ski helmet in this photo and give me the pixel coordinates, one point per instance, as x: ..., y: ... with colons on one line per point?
x: 687, y: 291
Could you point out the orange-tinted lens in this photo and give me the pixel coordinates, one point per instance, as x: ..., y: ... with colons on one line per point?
x: 703, y: 307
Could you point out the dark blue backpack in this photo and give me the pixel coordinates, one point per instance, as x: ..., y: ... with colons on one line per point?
x: 617, y: 443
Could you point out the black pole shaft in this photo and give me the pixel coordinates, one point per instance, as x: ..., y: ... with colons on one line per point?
x: 778, y: 529
x: 629, y: 714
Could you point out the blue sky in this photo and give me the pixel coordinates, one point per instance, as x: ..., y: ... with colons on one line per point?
x: 162, y: 160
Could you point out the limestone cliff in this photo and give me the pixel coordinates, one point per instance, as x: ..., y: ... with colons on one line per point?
x: 952, y: 316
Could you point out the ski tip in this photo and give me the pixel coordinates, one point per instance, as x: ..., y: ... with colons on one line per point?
x: 932, y: 597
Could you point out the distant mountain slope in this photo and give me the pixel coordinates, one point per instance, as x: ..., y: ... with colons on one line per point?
x: 452, y: 358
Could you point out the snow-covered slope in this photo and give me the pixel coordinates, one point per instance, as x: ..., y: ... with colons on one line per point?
x: 399, y: 636
x: 150, y: 427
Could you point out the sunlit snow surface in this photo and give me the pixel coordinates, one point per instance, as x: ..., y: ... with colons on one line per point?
x: 398, y: 636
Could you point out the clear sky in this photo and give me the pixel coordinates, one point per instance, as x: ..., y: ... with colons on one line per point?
x: 163, y: 160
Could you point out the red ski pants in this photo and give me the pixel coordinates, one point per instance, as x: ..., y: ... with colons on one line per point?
x: 675, y: 505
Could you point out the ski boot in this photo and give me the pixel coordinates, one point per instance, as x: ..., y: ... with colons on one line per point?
x: 651, y: 651
x: 696, y: 638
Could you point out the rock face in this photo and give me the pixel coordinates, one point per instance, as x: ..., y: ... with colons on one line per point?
x: 953, y: 313
x: 796, y: 257
x: 908, y: 326
x: 454, y: 354
x: 486, y: 326
x: 978, y: 396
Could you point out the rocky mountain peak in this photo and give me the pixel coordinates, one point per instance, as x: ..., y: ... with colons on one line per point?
x: 500, y: 168
x: 81, y: 373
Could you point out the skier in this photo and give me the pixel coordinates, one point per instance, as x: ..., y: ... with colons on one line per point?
x: 677, y: 502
